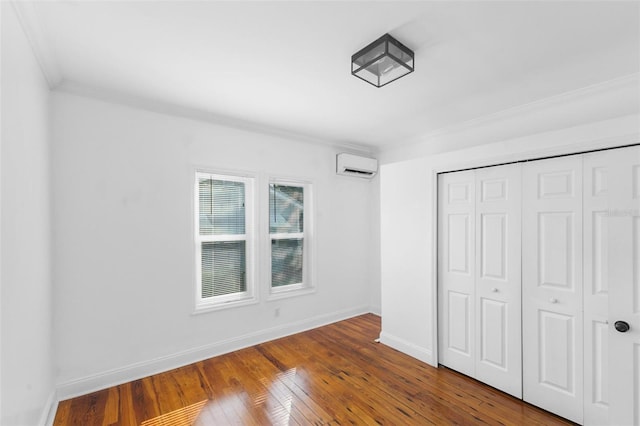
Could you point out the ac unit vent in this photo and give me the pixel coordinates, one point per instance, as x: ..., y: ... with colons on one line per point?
x: 355, y: 165
x: 360, y: 172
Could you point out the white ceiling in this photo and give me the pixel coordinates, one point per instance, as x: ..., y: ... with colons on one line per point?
x: 285, y: 66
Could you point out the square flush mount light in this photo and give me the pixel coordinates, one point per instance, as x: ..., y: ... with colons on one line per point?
x: 382, y: 62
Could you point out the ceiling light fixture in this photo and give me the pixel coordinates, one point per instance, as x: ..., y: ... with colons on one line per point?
x: 382, y: 61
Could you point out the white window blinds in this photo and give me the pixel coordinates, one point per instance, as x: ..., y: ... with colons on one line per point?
x: 222, y: 236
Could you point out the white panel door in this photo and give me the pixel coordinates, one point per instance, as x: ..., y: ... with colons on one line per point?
x: 498, y: 360
x: 456, y: 270
x: 597, y: 168
x: 552, y: 285
x: 624, y: 285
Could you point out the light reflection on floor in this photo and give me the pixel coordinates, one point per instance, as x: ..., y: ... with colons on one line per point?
x: 185, y: 416
x: 280, y: 390
x: 275, y: 400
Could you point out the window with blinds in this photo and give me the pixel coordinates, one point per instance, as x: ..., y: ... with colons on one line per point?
x: 223, y: 238
x: 287, y: 233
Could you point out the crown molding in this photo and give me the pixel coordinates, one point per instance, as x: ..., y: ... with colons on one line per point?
x: 168, y: 108
x: 33, y: 29
x: 629, y: 82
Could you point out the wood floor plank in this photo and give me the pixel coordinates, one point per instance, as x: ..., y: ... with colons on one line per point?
x: 63, y: 413
x: 126, y: 414
x: 144, y: 405
x: 111, y: 407
x: 88, y: 408
x: 333, y: 375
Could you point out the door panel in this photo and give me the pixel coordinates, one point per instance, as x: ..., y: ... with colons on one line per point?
x: 636, y: 267
x: 556, y: 351
x: 555, y: 184
x: 623, y: 217
x: 635, y: 398
x: 599, y: 254
x: 493, y: 235
x: 494, y: 328
x: 459, y: 242
x: 459, y: 192
x: 556, y: 249
x: 459, y: 334
x: 498, y: 278
x: 552, y: 285
x: 595, y: 214
x: 599, y: 350
x: 494, y: 190
x: 456, y: 245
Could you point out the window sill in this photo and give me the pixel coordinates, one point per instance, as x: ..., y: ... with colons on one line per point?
x: 203, y: 308
x: 281, y: 293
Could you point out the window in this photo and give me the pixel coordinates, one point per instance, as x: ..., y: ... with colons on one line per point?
x: 289, y: 234
x: 224, y: 240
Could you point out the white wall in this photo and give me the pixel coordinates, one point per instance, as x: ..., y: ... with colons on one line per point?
x: 408, y: 229
x: 124, y: 252
x: 25, y: 273
x: 405, y: 245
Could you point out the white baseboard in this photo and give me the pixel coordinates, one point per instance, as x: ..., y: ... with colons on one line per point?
x: 49, y: 411
x: 106, y: 379
x: 376, y: 310
x: 418, y: 352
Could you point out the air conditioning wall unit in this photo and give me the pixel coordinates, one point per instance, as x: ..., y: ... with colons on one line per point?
x: 355, y: 165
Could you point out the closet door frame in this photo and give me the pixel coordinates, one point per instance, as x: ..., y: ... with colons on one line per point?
x: 584, y: 150
x: 447, y: 166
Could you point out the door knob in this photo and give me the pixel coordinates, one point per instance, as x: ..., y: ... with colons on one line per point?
x: 495, y: 289
x: 553, y: 300
x: 622, y: 326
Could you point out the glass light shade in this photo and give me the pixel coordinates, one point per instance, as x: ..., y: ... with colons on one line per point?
x: 382, y: 61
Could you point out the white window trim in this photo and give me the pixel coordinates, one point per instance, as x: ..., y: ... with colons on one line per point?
x: 308, y: 284
x: 249, y: 296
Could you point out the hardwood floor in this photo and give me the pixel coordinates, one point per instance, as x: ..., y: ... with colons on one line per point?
x: 331, y: 375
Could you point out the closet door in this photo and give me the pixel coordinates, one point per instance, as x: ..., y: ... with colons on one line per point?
x: 552, y: 286
x: 456, y: 270
x: 498, y: 278
x: 479, y: 275
x: 597, y: 170
x: 624, y: 285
